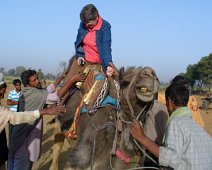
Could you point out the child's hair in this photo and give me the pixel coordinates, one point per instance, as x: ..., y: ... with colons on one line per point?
x: 178, y: 93
x: 16, y: 81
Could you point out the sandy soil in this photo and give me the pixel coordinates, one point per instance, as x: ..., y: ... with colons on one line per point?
x: 206, y: 115
x: 48, y: 141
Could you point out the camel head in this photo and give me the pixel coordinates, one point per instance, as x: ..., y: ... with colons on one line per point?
x: 138, y: 89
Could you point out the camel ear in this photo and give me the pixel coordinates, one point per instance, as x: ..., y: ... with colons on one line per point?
x: 156, y: 85
x: 121, y: 77
x: 121, y: 73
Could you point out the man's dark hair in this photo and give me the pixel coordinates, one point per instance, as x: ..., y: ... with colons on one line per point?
x: 88, y: 13
x: 26, y: 75
x: 181, y: 80
x: 16, y: 81
x: 178, y: 93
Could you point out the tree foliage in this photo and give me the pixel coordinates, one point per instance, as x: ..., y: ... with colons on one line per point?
x: 200, y: 73
x: 40, y: 74
x: 11, y: 72
x: 19, y: 70
x: 50, y: 76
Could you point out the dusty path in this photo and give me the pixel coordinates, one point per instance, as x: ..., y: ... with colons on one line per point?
x: 47, y: 149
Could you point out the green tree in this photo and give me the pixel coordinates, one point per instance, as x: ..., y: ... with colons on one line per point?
x: 11, y: 72
x: 40, y: 74
x: 50, y: 76
x: 62, y: 66
x: 41, y: 78
x: 204, y: 69
x: 200, y: 73
x: 2, y: 70
x: 191, y: 74
x: 19, y: 70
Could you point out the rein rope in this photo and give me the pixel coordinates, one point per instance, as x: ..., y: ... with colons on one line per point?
x: 127, y: 96
x: 106, y: 124
x: 97, y: 129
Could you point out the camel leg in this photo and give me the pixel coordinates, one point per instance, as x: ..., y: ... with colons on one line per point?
x: 58, y: 144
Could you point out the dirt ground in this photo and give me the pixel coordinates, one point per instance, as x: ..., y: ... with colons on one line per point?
x: 46, y: 157
x: 206, y: 115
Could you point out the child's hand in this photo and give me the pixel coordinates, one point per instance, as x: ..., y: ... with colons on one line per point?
x: 109, y: 71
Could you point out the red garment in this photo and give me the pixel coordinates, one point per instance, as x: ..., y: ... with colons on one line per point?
x: 89, y: 44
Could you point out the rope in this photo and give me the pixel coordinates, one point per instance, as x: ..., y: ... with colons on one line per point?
x: 127, y: 96
x: 144, y: 152
x: 137, y: 118
x: 118, y: 93
x: 113, y: 150
x: 97, y: 129
x: 136, y: 168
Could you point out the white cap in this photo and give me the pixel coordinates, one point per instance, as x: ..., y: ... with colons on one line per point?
x: 1, y: 79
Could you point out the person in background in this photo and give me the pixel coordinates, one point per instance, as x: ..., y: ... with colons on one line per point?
x: 3, y: 87
x: 42, y: 78
x: 192, y: 103
x: 185, y: 144
x: 13, y: 96
x: 25, y: 139
x: 17, y: 118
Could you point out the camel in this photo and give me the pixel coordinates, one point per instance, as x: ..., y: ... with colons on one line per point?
x: 103, y: 131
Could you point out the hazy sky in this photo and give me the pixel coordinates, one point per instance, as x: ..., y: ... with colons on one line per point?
x: 167, y: 35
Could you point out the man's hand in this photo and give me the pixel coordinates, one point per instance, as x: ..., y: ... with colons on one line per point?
x: 12, y: 102
x: 79, y: 77
x: 52, y: 110
x: 137, y: 131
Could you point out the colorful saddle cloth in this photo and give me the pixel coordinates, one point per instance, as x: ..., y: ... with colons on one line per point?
x: 94, y: 90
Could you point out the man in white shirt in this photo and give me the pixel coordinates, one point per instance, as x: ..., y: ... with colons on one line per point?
x: 186, y: 145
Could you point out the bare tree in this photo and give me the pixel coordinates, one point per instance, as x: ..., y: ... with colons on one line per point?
x: 62, y: 66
